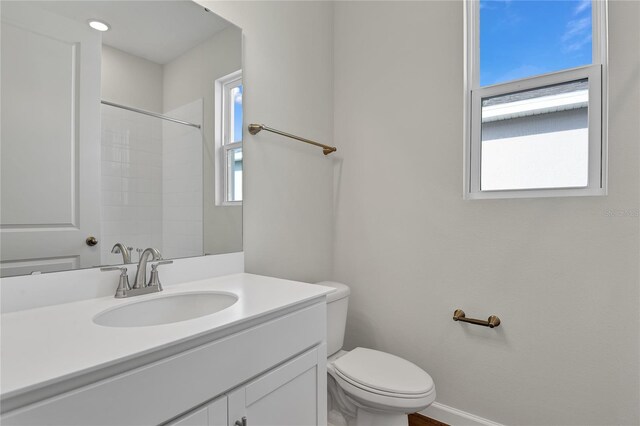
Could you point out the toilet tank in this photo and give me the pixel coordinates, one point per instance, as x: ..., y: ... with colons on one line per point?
x: 337, y: 304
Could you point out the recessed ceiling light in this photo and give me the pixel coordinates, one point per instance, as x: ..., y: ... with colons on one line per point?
x: 99, y: 25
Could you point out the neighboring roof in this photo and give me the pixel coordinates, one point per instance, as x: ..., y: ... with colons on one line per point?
x: 545, y: 100
x: 537, y: 93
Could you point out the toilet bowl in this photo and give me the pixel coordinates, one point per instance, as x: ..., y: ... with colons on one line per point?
x: 367, y: 387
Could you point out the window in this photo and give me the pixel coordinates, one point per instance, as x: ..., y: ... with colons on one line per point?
x: 535, y: 98
x: 229, y: 139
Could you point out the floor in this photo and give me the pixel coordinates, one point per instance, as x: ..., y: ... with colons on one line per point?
x: 420, y: 420
x: 414, y: 420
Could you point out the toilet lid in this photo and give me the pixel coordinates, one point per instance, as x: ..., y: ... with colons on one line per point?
x: 383, y: 371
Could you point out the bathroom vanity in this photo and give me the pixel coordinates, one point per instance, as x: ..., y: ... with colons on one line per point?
x: 261, y: 360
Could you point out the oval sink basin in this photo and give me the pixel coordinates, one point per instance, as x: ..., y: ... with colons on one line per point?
x: 165, y: 309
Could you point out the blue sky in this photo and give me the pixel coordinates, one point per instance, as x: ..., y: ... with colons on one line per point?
x: 237, y: 115
x: 522, y: 38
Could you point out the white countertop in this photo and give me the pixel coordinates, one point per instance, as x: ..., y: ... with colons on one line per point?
x: 44, y: 346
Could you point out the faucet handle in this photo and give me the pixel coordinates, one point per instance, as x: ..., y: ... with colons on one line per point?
x: 162, y: 262
x: 114, y: 268
x: 123, y: 283
x: 154, y: 280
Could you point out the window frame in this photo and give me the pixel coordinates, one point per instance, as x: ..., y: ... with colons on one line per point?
x: 223, y: 124
x: 596, y: 73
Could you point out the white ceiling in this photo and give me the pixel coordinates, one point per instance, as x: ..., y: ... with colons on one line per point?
x: 159, y: 31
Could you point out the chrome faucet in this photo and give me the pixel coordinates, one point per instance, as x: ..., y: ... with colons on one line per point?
x: 120, y: 248
x: 139, y: 286
x: 141, y: 274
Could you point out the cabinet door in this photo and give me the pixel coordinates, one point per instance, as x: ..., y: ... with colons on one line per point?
x: 293, y: 394
x: 199, y: 417
x: 213, y: 414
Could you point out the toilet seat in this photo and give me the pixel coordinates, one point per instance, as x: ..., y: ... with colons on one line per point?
x: 383, y: 373
x: 381, y: 381
x: 378, y: 391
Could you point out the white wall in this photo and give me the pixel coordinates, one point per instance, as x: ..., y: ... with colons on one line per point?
x: 192, y: 76
x: 131, y: 80
x: 561, y: 273
x: 288, y: 74
x: 182, y: 231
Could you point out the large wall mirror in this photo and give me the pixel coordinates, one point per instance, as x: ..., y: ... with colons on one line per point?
x: 121, y: 127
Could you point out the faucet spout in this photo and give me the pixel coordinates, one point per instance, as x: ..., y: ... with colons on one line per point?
x: 120, y: 248
x: 141, y: 274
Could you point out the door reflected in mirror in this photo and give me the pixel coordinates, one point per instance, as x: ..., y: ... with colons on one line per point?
x: 118, y: 138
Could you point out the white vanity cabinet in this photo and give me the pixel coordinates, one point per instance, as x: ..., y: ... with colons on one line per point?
x: 212, y: 414
x: 285, y: 396
x: 271, y: 371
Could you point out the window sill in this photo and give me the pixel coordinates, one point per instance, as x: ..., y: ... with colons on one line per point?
x: 536, y: 193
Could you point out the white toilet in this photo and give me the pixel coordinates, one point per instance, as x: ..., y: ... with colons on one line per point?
x: 368, y: 387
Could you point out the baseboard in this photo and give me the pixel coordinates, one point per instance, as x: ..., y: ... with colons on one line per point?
x: 454, y: 417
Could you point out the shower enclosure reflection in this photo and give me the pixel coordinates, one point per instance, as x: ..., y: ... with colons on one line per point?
x: 151, y: 173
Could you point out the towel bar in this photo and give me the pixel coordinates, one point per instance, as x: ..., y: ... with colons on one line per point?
x: 491, y: 322
x: 256, y: 128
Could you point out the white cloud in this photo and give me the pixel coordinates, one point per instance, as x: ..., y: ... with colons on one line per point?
x: 576, y: 28
x: 525, y: 70
x: 577, y: 44
x: 582, y: 6
x: 577, y: 34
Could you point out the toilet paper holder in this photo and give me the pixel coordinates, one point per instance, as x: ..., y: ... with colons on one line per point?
x: 492, y: 322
